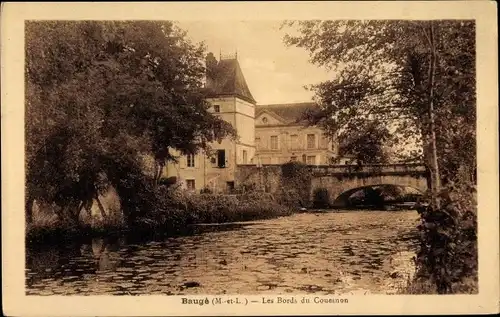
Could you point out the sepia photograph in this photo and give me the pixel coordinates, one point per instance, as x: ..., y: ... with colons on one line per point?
x: 305, y: 161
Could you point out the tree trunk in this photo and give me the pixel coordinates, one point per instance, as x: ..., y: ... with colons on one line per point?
x: 155, y: 174
x: 101, y: 207
x: 434, y: 166
x: 81, y: 206
x: 29, y: 208
x: 158, y: 171
x: 71, y: 212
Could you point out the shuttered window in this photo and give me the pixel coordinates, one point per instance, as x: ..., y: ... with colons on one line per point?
x: 274, y: 142
x: 190, y: 160
x: 294, y: 141
x: 311, y: 141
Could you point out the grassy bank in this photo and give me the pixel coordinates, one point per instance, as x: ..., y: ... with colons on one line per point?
x: 174, y: 213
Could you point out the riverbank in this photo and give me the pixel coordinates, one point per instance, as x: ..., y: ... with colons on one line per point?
x: 173, y: 215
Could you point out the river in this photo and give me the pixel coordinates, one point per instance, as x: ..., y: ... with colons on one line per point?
x: 354, y: 252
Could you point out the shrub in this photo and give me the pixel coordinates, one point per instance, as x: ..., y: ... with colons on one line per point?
x: 177, y: 208
x: 321, y: 198
x: 168, y: 181
x: 295, y: 184
x: 448, y: 242
x: 205, y: 190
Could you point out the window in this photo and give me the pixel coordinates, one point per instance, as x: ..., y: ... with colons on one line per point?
x: 245, y: 156
x: 311, y: 160
x: 293, y: 159
x: 274, y: 142
x: 311, y: 141
x: 264, y: 120
x: 221, y: 158
x: 190, y: 184
x: 216, y: 108
x: 294, y: 141
x: 324, y: 142
x: 190, y: 160
x: 257, y: 142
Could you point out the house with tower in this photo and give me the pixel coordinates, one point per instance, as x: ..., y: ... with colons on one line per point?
x: 268, y: 134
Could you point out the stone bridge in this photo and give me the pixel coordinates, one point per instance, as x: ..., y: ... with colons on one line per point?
x: 339, y: 180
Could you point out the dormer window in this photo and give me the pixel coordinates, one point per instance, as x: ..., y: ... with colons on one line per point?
x: 264, y: 120
x: 216, y: 108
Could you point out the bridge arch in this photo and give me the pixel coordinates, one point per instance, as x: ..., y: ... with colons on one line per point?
x: 339, y: 180
x: 398, y: 190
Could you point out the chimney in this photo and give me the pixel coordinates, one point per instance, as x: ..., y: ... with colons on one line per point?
x: 211, y: 69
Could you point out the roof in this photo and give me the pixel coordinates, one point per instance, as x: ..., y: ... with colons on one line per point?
x: 228, y: 80
x: 290, y: 112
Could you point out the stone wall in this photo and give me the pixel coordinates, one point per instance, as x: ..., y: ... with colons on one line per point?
x: 265, y: 178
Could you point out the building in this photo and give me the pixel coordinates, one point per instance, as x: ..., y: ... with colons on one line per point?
x: 281, y: 136
x: 231, y: 99
x: 271, y: 134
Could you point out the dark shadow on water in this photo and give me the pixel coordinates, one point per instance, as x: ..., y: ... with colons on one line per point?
x: 86, y: 254
x: 357, y: 208
x: 84, y: 234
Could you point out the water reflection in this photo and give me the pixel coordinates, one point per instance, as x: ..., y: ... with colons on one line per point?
x: 326, y: 253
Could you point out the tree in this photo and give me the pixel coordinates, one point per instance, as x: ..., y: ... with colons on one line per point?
x: 99, y: 95
x: 368, y: 144
x: 417, y: 77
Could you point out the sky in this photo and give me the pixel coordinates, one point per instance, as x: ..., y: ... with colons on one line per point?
x: 274, y: 72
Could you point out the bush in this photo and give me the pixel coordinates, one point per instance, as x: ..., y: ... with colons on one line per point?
x: 448, y: 242
x: 176, y: 208
x: 205, y: 190
x: 321, y: 198
x: 295, y: 184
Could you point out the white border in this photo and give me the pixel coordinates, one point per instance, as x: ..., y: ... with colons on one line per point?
x: 13, y: 16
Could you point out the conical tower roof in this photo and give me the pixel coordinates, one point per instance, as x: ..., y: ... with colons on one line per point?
x: 226, y: 79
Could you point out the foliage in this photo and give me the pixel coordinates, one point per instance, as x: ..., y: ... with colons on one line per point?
x: 321, y: 198
x: 172, y: 211
x: 295, y: 184
x: 383, y: 75
x: 101, y: 94
x: 448, y: 251
x: 205, y: 190
x: 368, y: 144
x: 177, y: 209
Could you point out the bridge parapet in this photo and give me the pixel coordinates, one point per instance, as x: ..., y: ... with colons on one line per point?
x: 378, y: 169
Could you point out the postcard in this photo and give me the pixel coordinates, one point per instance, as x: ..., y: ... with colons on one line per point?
x: 250, y: 158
